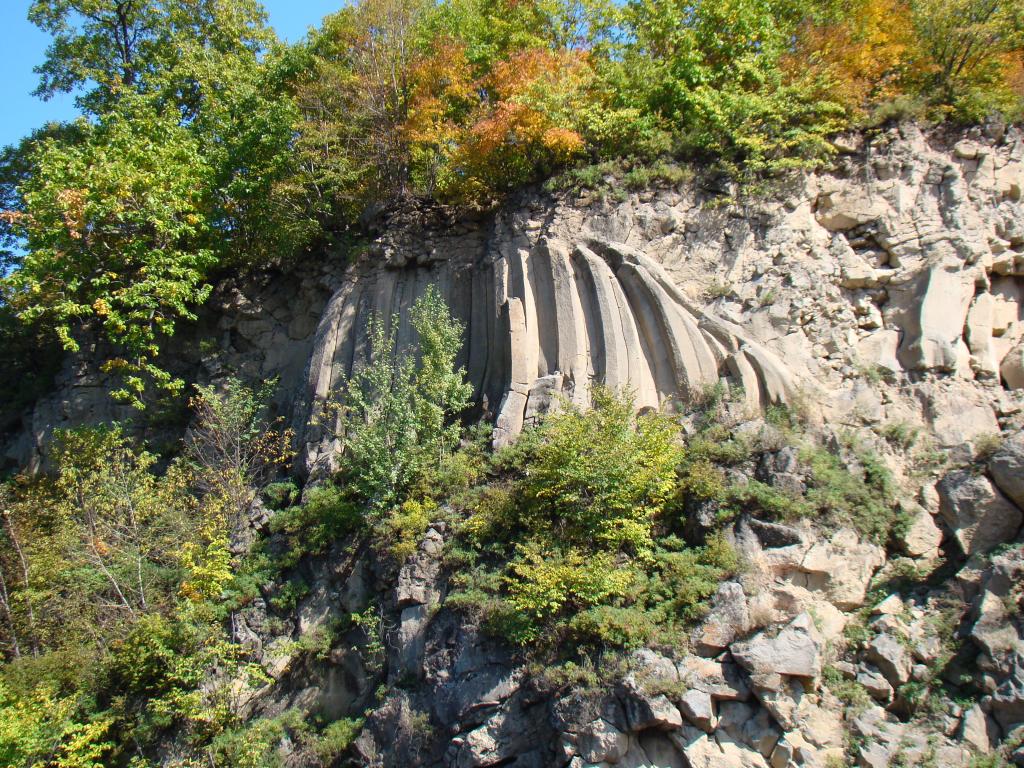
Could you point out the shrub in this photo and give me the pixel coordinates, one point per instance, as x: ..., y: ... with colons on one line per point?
x: 544, y: 585
x: 851, y: 693
x: 401, y: 531
x: 327, y: 515
x: 400, y: 416
x: 336, y: 738
x: 864, y: 502
x: 600, y: 476
x: 900, y: 434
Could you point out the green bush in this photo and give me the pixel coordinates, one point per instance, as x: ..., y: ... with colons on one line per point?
x: 600, y: 476
x: 401, y: 414
x: 866, y: 502
x: 335, y: 739
x: 327, y: 515
x: 568, y: 543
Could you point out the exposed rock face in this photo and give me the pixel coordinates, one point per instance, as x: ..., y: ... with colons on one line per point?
x: 546, y: 316
x: 979, y: 515
x: 1007, y: 469
x: 905, y: 260
x: 886, y: 297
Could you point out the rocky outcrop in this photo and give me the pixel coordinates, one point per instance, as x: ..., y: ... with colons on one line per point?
x: 907, y: 258
x: 887, y: 289
x: 882, y: 298
x: 545, y: 318
x: 978, y: 514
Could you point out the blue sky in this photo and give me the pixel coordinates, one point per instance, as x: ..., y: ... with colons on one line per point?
x: 22, y: 47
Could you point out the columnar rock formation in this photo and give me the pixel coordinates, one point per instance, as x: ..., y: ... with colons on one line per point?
x: 907, y: 260
x: 545, y: 323
x: 889, y: 289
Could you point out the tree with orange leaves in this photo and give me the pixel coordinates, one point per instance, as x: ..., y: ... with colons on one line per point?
x: 503, y: 129
x: 862, y: 55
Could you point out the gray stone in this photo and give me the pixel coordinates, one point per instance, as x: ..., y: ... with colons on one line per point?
x: 923, y: 536
x: 644, y: 711
x: 978, y: 730
x: 697, y: 707
x: 891, y: 657
x: 1012, y: 367
x: 1007, y: 468
x: 727, y: 620
x: 795, y: 651
x: 875, y: 684
x: 722, y: 680
x: 978, y: 514
x: 599, y: 741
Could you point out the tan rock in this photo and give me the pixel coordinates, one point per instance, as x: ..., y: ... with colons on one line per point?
x: 840, y: 568
x: 923, y: 536
x: 1012, y: 368
x: 978, y: 730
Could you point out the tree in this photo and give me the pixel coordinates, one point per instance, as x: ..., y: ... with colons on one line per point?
x: 399, y: 417
x: 601, y: 478
x: 714, y: 69
x: 90, y: 549
x: 234, y: 450
x: 105, y: 46
x: 966, y: 43
x: 864, y: 52
x: 113, y: 228
x: 354, y: 96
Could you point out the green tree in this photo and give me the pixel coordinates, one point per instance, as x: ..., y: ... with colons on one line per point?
x: 400, y: 418
x: 89, y: 550
x: 968, y: 47
x: 602, y: 476
x: 113, y: 228
x: 714, y: 68
x: 101, y: 47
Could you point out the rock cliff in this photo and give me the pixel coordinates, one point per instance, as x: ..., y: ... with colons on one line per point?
x: 884, y: 296
x: 906, y: 261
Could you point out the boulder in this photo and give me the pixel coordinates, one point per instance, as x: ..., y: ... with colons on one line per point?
x: 1012, y: 368
x: 923, y: 536
x: 1007, y: 469
x: 1008, y: 702
x: 977, y: 513
x: 418, y: 575
x: 782, y: 469
x: 718, y: 751
x: 722, y: 680
x: 882, y: 741
x: 891, y: 657
x: 645, y: 711
x: 848, y: 207
x: 698, y: 708
x: 659, y: 751
x: 601, y: 742
x: 978, y: 730
x: 998, y: 632
x: 773, y: 535
x: 650, y: 665
x: 875, y: 684
x: 956, y: 415
x: 795, y: 651
x: 727, y: 620
x: 840, y: 568
x: 878, y: 350
x: 782, y: 697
